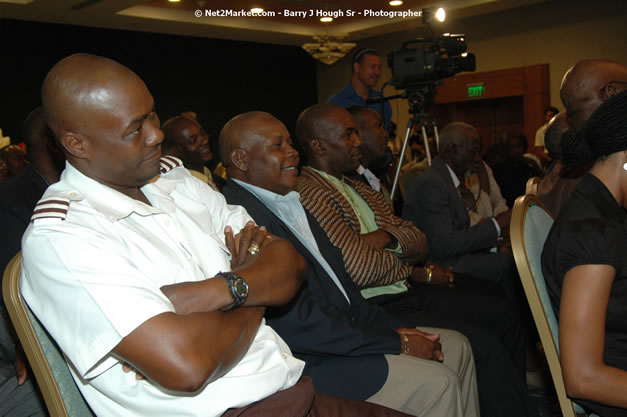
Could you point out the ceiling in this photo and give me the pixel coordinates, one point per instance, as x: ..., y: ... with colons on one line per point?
x: 354, y: 18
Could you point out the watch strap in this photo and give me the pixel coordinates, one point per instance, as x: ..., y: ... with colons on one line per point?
x: 233, y: 280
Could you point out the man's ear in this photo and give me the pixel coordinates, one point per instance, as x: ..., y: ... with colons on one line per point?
x: 610, y: 89
x: 239, y: 159
x: 318, y: 147
x: 75, y: 144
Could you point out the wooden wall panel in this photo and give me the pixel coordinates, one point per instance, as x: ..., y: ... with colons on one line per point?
x: 514, y: 101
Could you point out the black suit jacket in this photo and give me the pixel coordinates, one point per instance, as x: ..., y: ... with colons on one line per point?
x: 342, y: 344
x: 434, y: 205
x: 18, y: 197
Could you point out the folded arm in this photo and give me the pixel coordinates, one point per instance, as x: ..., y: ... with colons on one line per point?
x: 184, y: 352
x: 274, y: 276
x: 367, y: 265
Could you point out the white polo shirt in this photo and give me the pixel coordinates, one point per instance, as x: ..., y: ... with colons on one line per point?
x: 94, y: 260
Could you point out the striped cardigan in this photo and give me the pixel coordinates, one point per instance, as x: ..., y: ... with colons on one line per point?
x: 367, y: 266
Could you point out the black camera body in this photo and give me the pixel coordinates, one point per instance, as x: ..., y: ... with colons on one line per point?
x: 430, y: 61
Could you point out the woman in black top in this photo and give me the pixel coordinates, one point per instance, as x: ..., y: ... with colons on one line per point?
x: 585, y: 264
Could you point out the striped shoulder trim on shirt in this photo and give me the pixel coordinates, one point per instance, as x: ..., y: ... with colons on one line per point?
x: 168, y: 163
x: 51, y: 208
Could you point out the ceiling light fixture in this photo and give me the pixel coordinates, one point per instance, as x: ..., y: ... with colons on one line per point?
x: 256, y: 10
x: 429, y: 14
x: 326, y: 19
x: 174, y: 1
x: 396, y: 2
x: 328, y: 49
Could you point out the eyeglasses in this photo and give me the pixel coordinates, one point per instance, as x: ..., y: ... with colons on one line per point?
x: 605, y: 90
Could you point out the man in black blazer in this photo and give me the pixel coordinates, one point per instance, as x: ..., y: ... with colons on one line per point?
x: 434, y: 203
x: 351, y: 348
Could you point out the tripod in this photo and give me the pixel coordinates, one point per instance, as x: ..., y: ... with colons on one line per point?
x: 420, y: 98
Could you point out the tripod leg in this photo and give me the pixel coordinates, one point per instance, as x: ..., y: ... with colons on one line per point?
x: 410, y: 125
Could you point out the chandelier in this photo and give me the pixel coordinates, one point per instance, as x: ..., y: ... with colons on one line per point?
x: 328, y: 48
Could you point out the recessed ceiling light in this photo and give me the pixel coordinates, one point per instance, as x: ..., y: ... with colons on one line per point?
x: 256, y: 10
x: 174, y: 1
x: 396, y: 2
x: 326, y: 19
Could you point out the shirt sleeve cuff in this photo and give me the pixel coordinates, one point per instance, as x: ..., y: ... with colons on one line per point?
x: 498, y: 229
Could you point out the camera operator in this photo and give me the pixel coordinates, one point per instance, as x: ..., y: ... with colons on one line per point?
x: 366, y: 69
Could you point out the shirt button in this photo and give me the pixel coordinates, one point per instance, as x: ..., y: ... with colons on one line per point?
x: 167, y: 223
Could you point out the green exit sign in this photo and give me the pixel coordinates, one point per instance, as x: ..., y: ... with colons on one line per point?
x: 475, y: 91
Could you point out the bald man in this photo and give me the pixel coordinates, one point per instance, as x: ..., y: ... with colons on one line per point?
x: 124, y: 265
x: 351, y: 348
x: 589, y: 83
x: 435, y: 205
x: 585, y: 86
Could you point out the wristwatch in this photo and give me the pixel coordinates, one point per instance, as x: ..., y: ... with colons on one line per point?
x: 237, y: 286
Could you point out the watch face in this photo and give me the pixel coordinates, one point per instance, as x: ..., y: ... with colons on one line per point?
x: 241, y: 287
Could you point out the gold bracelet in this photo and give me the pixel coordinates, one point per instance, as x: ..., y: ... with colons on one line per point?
x: 405, y: 344
x: 429, y: 274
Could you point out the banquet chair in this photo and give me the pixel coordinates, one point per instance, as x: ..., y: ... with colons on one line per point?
x: 529, y: 228
x: 61, y: 395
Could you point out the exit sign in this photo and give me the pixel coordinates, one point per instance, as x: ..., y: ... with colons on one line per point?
x: 476, y: 90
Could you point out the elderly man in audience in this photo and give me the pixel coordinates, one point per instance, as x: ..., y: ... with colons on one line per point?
x: 126, y: 266
x: 184, y: 138
x: 18, y: 197
x: 381, y: 252
x: 351, y: 348
x: 435, y: 205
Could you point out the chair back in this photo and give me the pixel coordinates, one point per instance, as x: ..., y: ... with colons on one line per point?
x: 529, y: 229
x: 62, y: 396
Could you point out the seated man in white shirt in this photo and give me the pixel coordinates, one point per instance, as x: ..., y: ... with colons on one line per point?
x: 126, y: 266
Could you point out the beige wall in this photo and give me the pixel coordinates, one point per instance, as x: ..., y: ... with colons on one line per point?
x: 557, y: 32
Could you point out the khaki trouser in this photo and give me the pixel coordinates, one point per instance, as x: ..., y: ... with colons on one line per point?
x: 430, y: 389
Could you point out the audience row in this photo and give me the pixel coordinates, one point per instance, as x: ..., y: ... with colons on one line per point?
x: 243, y: 296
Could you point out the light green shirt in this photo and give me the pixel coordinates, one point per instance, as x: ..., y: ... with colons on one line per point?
x: 367, y: 224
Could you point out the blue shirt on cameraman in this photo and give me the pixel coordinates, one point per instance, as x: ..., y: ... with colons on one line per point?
x: 347, y: 97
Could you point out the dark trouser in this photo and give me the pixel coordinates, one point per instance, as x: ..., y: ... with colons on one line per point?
x: 494, y: 330
x: 302, y: 401
x: 498, y: 268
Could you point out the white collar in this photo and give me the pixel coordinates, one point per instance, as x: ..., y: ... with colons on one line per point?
x: 111, y: 203
x: 453, y: 176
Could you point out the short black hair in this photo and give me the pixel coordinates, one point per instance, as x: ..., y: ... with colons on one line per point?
x: 361, y: 53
